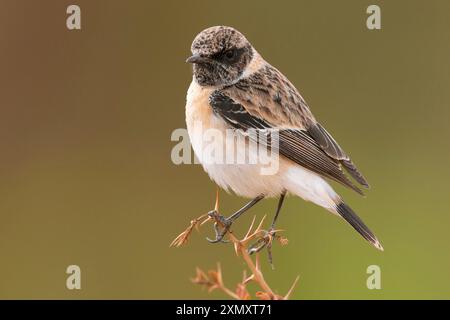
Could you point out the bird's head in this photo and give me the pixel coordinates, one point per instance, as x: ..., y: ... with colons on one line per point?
x: 220, y: 56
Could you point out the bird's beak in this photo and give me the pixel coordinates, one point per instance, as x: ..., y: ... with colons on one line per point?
x: 196, y: 58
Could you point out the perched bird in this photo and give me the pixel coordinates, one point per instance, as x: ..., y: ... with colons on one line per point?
x: 233, y: 87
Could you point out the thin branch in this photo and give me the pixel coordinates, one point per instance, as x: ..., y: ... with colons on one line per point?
x: 213, y: 278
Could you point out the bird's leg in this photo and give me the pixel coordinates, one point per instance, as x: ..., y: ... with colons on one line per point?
x: 280, y: 204
x: 227, y: 222
x: 267, y: 240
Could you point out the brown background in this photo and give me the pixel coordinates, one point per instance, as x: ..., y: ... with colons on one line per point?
x: 85, y: 123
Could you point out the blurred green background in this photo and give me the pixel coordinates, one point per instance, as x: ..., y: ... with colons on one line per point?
x: 85, y: 171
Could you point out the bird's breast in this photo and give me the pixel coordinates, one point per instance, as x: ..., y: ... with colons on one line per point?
x: 213, y: 146
x: 197, y: 105
x: 201, y: 122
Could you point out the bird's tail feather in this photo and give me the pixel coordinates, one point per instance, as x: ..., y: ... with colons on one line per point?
x: 352, y: 218
x: 353, y: 171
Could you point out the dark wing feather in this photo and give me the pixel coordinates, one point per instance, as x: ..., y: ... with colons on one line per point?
x: 326, y: 141
x: 331, y: 148
x: 296, y: 145
x: 234, y: 113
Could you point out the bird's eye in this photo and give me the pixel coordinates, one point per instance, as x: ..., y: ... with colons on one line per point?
x: 230, y: 55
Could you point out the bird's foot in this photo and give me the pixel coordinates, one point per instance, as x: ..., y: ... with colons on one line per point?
x: 264, y: 242
x: 219, y: 220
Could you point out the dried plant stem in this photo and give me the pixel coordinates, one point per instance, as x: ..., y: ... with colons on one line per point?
x: 243, y: 248
x: 230, y: 293
x: 254, y: 267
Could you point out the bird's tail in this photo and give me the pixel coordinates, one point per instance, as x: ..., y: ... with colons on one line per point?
x: 352, y: 218
x: 314, y: 188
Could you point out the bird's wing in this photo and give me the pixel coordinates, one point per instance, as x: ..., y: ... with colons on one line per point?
x: 332, y: 149
x: 252, y: 103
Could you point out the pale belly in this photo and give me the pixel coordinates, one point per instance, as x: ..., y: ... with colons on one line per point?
x: 245, y: 178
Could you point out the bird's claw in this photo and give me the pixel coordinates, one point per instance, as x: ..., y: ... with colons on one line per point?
x: 264, y: 242
x: 260, y: 244
x: 219, y: 219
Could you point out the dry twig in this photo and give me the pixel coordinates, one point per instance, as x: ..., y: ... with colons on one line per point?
x: 253, y: 242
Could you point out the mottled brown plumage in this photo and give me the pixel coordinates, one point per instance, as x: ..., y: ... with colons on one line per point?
x: 244, y: 92
x: 268, y: 95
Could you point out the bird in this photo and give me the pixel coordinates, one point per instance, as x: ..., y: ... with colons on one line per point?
x: 234, y: 88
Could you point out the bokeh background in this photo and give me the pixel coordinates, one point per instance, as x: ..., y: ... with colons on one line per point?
x: 85, y: 123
